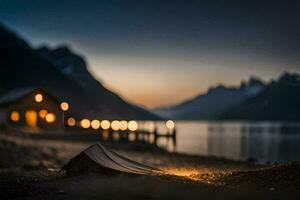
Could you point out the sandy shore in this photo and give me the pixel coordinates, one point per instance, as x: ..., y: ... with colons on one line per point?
x: 29, y: 170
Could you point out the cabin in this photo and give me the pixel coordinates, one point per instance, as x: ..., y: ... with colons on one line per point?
x: 31, y: 109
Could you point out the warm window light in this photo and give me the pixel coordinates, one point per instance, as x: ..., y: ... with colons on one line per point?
x: 95, y: 124
x: 115, y: 125
x: 85, y: 123
x: 71, y: 121
x: 50, y: 117
x: 38, y: 98
x: 31, y: 118
x: 170, y: 124
x: 105, y: 124
x: 15, y: 116
x: 43, y: 113
x: 64, y: 106
x: 132, y: 125
x: 124, y: 125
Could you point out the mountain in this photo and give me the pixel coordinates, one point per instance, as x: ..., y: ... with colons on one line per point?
x: 280, y: 100
x: 211, y: 104
x: 65, y: 75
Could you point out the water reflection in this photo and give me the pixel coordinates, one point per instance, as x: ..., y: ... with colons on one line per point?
x: 260, y: 142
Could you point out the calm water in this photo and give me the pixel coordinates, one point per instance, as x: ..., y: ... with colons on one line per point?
x: 264, y: 142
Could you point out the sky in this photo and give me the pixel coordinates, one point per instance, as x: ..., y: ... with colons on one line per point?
x: 159, y: 53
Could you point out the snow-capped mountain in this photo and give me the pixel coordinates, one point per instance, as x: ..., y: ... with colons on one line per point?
x: 279, y: 101
x: 217, y: 100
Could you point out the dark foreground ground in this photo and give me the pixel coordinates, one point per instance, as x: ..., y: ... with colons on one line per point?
x: 29, y: 170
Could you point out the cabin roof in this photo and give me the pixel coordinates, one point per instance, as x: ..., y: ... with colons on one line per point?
x: 111, y: 160
x: 18, y: 93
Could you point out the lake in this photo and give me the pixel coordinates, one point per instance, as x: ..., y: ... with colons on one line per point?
x: 261, y: 142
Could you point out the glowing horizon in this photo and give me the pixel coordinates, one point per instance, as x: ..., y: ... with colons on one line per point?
x: 150, y: 90
x: 153, y: 53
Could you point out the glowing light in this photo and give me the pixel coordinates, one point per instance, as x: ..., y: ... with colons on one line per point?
x: 105, y: 124
x: 95, y: 124
x: 38, y: 98
x: 181, y: 171
x: 170, y: 124
x: 71, y: 121
x: 85, y: 123
x: 50, y: 117
x: 115, y: 125
x: 132, y: 125
x: 131, y: 137
x: 115, y: 136
x: 15, y: 116
x: 64, y: 106
x: 149, y: 126
x: 43, y: 113
x: 123, y: 125
x: 105, y: 134
x: 195, y: 174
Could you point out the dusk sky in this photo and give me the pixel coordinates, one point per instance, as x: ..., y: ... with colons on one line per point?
x: 157, y: 53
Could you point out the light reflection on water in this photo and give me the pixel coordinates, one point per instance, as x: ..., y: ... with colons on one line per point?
x: 262, y: 142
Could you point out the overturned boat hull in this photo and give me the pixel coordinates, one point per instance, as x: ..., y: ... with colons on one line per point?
x: 99, y: 159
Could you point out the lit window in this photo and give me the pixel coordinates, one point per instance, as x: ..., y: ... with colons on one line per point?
x: 64, y: 106
x: 105, y: 124
x: 15, y: 116
x: 43, y: 113
x: 31, y: 118
x: 38, y: 98
x: 95, y: 124
x: 71, y: 121
x: 132, y: 125
x: 50, y: 117
x: 85, y: 123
